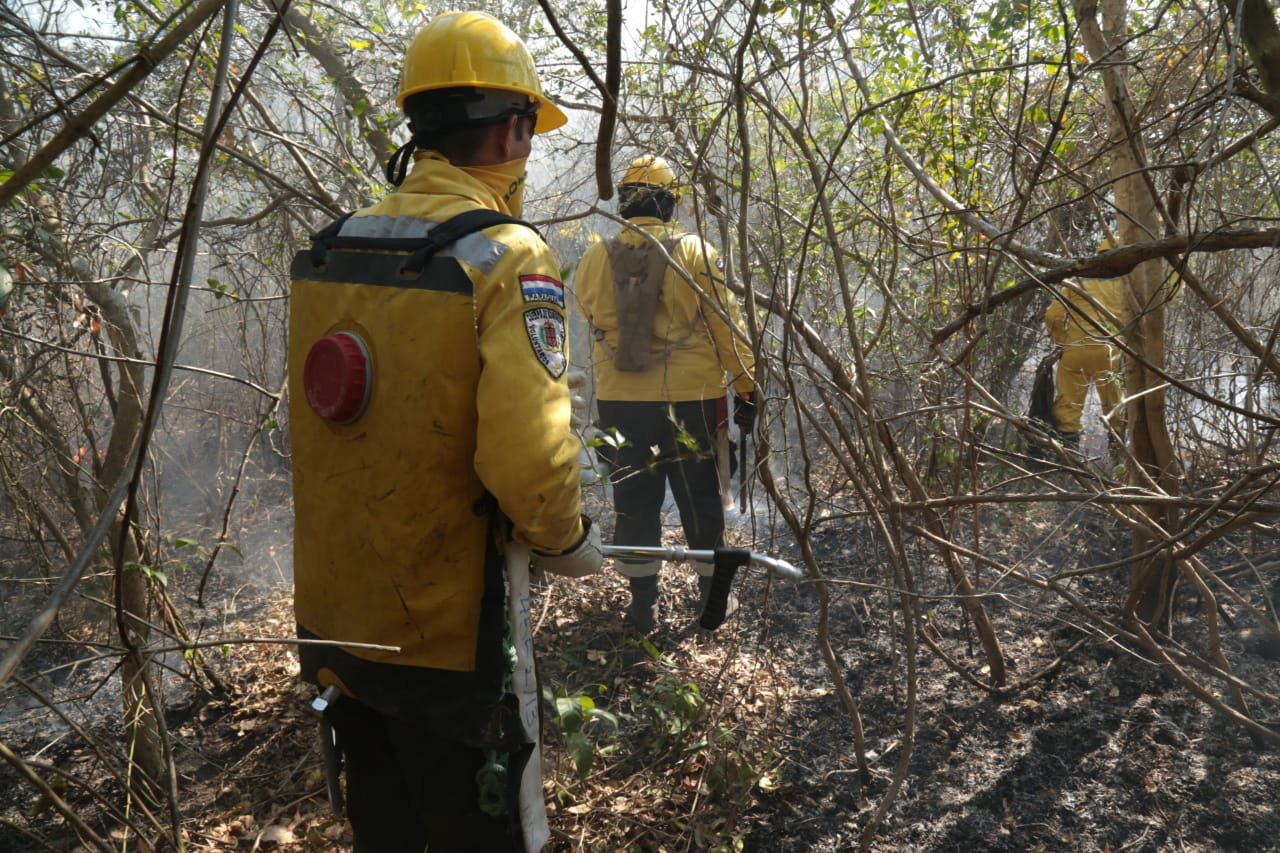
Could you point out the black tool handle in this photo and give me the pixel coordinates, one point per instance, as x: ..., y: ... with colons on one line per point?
x: 727, y: 561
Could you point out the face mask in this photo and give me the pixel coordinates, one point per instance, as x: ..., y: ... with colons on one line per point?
x: 506, y: 180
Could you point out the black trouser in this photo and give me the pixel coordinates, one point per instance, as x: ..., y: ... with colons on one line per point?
x: 685, y: 437
x: 409, y: 790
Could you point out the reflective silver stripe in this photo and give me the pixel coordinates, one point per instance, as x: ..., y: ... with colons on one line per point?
x: 475, y: 250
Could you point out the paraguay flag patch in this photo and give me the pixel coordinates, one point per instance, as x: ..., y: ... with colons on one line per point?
x: 542, y: 288
x: 546, y: 335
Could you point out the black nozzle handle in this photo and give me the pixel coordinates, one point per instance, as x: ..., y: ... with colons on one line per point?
x: 726, y: 561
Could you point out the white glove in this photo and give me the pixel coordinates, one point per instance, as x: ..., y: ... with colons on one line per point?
x: 581, y: 560
x: 579, y: 411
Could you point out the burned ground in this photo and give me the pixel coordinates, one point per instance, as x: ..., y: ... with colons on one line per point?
x: 739, y: 740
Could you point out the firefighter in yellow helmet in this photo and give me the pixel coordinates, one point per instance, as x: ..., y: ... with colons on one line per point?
x: 429, y: 421
x: 662, y: 358
x: 1084, y: 323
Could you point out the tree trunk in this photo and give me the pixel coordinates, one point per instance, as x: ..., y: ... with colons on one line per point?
x: 1261, y: 39
x: 143, y: 735
x: 1138, y: 220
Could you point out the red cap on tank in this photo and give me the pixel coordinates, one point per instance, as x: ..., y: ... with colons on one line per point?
x: 336, y: 377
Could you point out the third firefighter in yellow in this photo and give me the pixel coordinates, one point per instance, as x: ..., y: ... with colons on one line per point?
x: 1083, y: 326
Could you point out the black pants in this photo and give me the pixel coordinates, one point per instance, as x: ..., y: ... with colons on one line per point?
x: 408, y: 790
x: 685, y: 437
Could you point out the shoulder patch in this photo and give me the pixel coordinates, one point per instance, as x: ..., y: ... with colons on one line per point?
x: 546, y: 335
x: 542, y: 288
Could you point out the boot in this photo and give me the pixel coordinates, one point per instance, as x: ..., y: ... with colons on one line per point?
x: 704, y: 590
x: 642, y: 612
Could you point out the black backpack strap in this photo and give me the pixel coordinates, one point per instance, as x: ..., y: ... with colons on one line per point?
x: 421, y: 249
x: 452, y: 230
x: 322, y: 240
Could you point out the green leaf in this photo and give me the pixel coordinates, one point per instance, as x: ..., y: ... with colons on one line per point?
x: 582, y: 753
x: 569, y: 714
x: 610, y: 720
x: 150, y: 572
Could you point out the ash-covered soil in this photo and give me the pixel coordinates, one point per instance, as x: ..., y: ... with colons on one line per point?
x: 739, y: 741
x: 1095, y: 747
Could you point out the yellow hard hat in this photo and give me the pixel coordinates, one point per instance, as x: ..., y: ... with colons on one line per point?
x: 652, y: 172
x: 473, y: 49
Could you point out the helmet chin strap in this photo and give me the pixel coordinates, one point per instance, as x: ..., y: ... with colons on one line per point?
x: 398, y: 165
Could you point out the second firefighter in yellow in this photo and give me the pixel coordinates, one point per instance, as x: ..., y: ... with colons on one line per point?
x: 662, y: 357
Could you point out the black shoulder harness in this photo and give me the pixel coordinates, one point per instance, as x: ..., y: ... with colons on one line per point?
x: 419, y: 250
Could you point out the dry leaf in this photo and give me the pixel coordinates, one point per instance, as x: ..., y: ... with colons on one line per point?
x: 277, y: 834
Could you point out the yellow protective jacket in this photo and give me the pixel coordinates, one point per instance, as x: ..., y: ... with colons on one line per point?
x: 1083, y: 323
x: 702, y: 347
x: 395, y: 534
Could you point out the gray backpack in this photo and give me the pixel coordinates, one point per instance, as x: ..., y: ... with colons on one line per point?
x: 638, y: 272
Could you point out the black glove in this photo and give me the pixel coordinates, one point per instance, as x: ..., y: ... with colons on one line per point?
x: 744, y: 411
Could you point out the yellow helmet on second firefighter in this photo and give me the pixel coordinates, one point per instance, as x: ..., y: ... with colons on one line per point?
x: 649, y: 173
